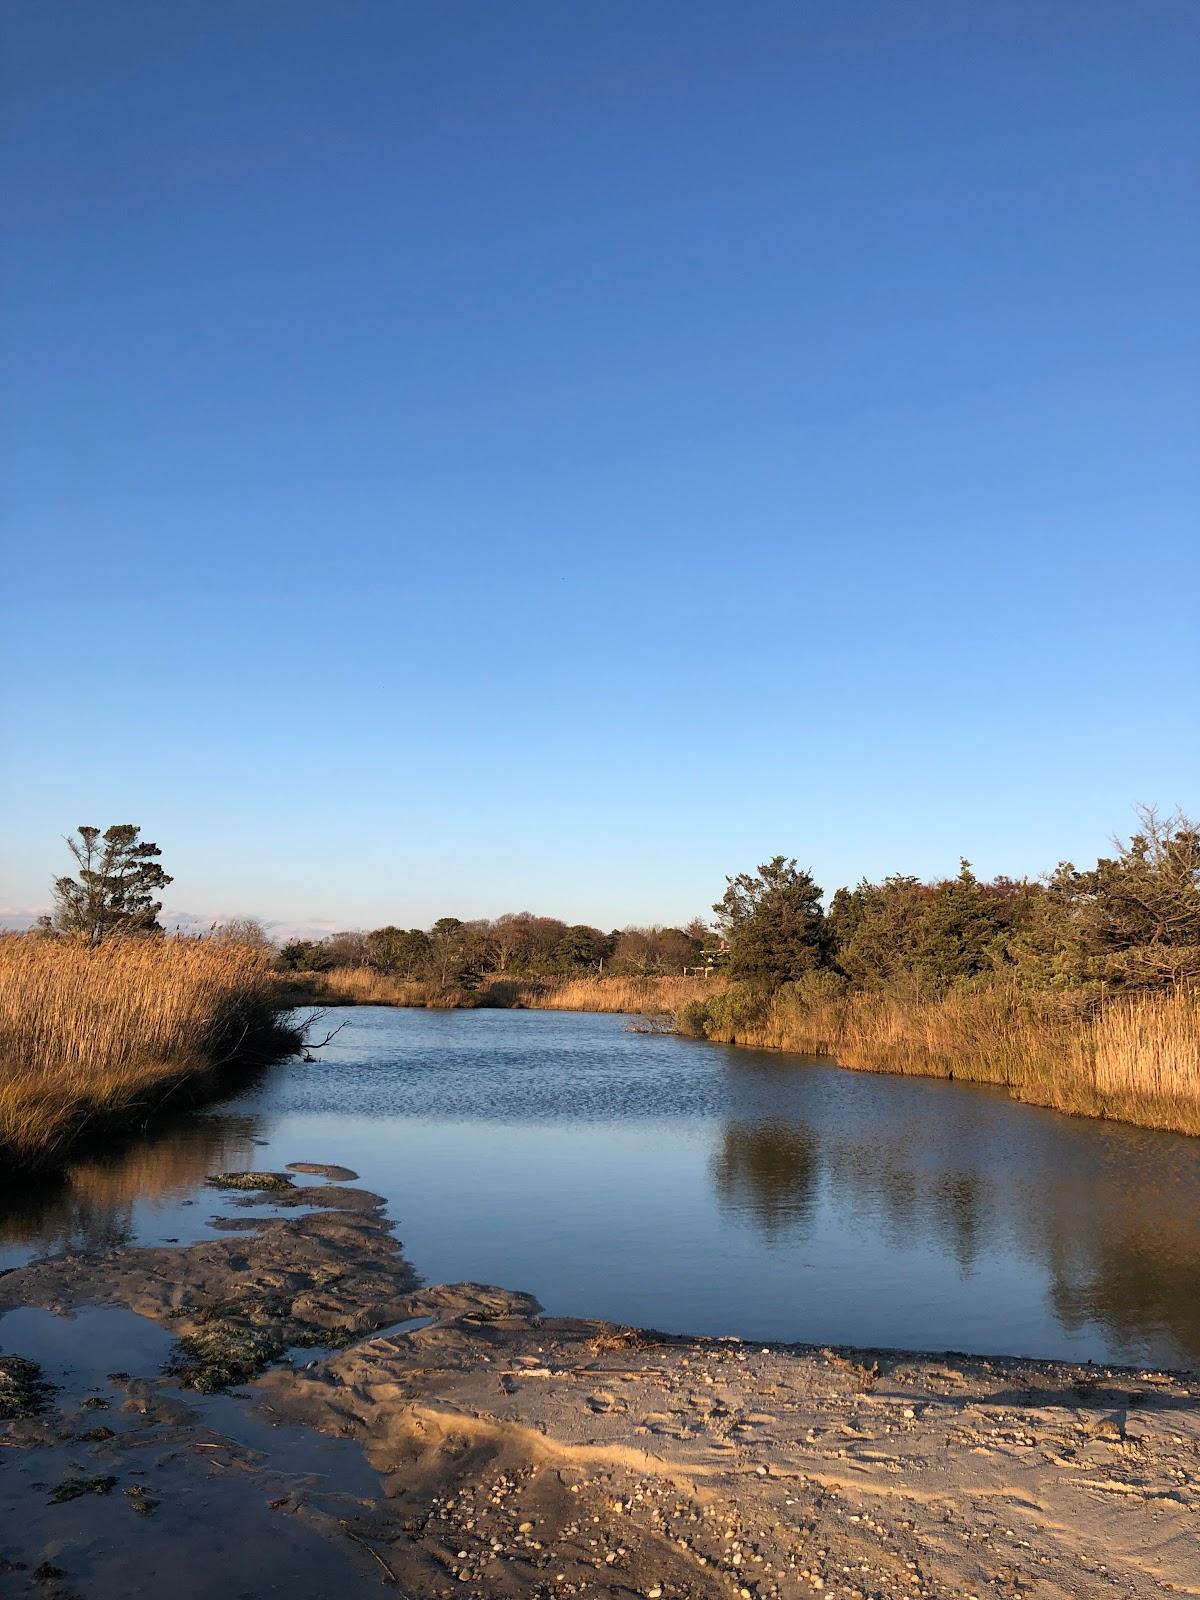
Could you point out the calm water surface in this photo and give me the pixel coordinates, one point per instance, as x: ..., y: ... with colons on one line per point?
x: 697, y: 1188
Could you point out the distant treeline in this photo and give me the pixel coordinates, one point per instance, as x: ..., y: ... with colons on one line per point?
x: 1131, y: 922
x: 453, y: 954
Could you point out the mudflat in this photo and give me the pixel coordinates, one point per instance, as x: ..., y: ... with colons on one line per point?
x: 453, y: 1440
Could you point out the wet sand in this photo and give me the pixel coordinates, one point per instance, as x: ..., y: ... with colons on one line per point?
x: 453, y: 1440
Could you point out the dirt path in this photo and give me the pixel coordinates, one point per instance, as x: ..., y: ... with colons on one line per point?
x: 478, y: 1448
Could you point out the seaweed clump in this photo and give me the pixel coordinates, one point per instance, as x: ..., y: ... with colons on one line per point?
x: 273, y: 1182
x: 236, y: 1340
x: 222, y: 1355
x: 23, y: 1390
x: 73, y: 1488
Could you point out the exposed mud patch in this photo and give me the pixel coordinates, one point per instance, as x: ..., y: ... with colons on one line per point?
x: 335, y: 1174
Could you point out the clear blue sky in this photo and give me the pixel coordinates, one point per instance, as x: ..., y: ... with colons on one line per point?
x: 464, y: 457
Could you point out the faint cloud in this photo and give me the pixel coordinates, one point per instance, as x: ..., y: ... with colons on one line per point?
x: 17, y: 917
x: 279, y: 930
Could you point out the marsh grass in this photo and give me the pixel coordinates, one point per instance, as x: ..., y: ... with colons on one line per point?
x: 94, y: 1035
x: 634, y: 996
x: 637, y: 996
x: 1132, y: 1058
x: 358, y: 986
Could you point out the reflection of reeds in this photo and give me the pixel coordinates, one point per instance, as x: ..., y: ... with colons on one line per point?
x: 91, y: 1033
x: 93, y: 1202
x: 1134, y: 1058
x: 166, y: 1167
x: 1129, y: 1260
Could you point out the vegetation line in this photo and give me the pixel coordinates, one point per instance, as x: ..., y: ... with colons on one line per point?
x: 1130, y: 1058
x: 97, y: 1035
x: 354, y: 986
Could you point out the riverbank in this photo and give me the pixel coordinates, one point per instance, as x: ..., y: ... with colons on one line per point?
x: 462, y: 1442
x: 93, y: 1039
x: 1129, y: 1059
x: 362, y: 986
x: 1134, y: 1059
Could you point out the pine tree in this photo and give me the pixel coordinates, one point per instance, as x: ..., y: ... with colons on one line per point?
x: 774, y: 922
x: 114, y: 892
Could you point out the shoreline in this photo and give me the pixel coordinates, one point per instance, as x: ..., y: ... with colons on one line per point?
x: 821, y: 1033
x: 52, y: 1111
x: 514, y: 1453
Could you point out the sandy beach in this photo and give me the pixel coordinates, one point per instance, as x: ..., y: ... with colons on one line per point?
x: 452, y: 1439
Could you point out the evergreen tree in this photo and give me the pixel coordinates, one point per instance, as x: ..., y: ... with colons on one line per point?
x: 1140, y: 909
x: 773, y: 922
x: 118, y: 877
x: 581, y: 949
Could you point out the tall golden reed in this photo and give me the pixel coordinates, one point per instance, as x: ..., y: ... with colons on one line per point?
x: 88, y: 1033
x: 360, y: 986
x: 1134, y: 1058
x: 635, y: 996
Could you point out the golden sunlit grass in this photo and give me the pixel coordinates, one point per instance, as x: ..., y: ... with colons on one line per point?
x: 644, y: 996
x: 1136, y: 1059
x: 92, y: 1034
x: 361, y: 986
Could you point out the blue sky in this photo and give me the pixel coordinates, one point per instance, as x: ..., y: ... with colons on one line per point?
x: 464, y: 458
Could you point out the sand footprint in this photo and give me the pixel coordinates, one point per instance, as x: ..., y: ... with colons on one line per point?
x: 603, y: 1401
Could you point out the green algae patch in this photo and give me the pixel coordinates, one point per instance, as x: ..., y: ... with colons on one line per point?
x: 340, y: 1338
x: 23, y: 1390
x: 271, y: 1182
x: 236, y: 1342
x: 74, y: 1488
x: 222, y: 1355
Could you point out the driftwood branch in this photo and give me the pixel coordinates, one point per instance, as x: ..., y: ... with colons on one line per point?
x: 310, y: 1022
x: 308, y: 1045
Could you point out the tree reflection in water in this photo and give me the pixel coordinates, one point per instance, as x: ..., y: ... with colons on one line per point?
x: 770, y: 1170
x: 1135, y: 1269
x: 1109, y: 1216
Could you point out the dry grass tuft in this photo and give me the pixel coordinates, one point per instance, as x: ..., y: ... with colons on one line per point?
x: 865, y: 1374
x: 99, y: 1033
x: 619, y: 1337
